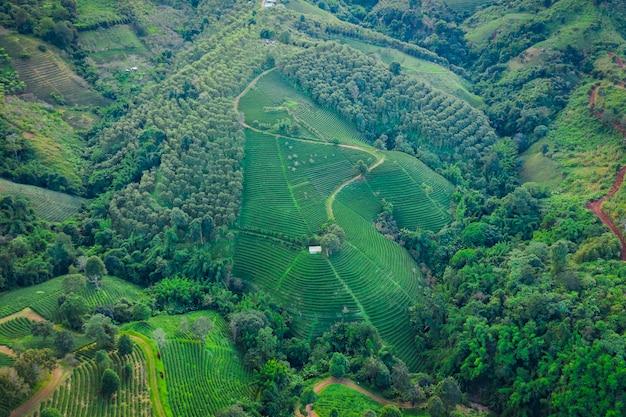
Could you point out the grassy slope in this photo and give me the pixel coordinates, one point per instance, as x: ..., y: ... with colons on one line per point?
x: 45, y: 72
x: 286, y: 183
x: 201, y: 377
x: 42, y: 298
x: 52, y: 206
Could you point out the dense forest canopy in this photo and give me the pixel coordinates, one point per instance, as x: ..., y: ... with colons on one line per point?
x: 423, y: 197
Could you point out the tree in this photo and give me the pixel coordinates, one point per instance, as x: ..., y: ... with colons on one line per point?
x: 338, y: 365
x: 395, y: 68
x: 74, y: 283
x: 390, y: 411
x: 42, y: 328
x: 361, y: 167
x: 201, y: 327
x: 101, y: 328
x: 124, y: 345
x: 159, y: 336
x: 95, y: 270
x: 13, y: 389
x: 141, y: 312
x: 50, y: 412
x: 73, y: 311
x: 109, y: 383
x: 435, y: 406
x: 102, y: 359
x: 449, y: 392
x: 232, y: 411
x: 64, y: 343
x: 32, y: 363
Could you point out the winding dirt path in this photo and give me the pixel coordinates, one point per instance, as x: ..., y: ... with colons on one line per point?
x: 596, y: 207
x: 7, y: 351
x: 158, y: 407
x: 58, y: 376
x: 331, y: 199
x: 27, y: 312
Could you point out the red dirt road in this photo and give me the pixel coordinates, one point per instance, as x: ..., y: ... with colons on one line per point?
x: 596, y: 207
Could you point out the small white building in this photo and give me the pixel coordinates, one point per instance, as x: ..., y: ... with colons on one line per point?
x: 315, y: 250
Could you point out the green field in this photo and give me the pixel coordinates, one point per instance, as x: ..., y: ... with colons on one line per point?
x: 79, y: 396
x: 6, y: 360
x: 273, y: 98
x: 350, y: 403
x: 287, y: 184
x: 117, y: 44
x: 201, y: 377
x: 436, y: 75
x: 467, y: 5
x: 92, y: 12
x: 304, y: 7
x: 479, y: 35
x: 42, y: 298
x: 45, y: 73
x: 49, y: 205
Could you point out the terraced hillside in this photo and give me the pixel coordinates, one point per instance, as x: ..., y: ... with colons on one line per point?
x: 46, y: 74
x: 201, y: 376
x: 43, y: 298
x: 293, y: 185
x: 49, y: 205
x: 79, y: 395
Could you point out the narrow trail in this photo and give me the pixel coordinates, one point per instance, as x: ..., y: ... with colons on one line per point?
x: 596, y: 207
x: 58, y: 376
x: 159, y: 410
x: 331, y: 199
x: 7, y: 351
x: 27, y: 313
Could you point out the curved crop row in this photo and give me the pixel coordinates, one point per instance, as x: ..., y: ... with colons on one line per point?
x: 79, y: 396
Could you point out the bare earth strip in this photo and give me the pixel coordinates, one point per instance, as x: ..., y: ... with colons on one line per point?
x: 7, y: 351
x: 58, y: 376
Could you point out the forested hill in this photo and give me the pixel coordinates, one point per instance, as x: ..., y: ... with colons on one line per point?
x: 393, y: 190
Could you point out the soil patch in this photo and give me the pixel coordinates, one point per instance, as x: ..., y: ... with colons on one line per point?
x: 596, y: 207
x: 7, y: 350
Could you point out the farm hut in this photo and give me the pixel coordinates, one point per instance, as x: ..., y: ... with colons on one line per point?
x: 315, y: 250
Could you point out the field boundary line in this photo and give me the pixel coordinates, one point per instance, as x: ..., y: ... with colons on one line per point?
x: 57, y: 376
x: 349, y: 290
x: 155, y: 395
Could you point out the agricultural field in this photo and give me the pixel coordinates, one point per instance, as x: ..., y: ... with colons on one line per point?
x: 94, y: 12
x: 468, y: 6
x: 17, y: 332
x: 52, y: 206
x: 439, y: 77
x: 42, y: 298
x: 350, y: 403
x: 304, y: 7
x: 46, y: 75
x: 287, y: 186
x: 116, y: 45
x: 273, y: 97
x: 480, y: 33
x: 201, y: 376
x: 79, y: 395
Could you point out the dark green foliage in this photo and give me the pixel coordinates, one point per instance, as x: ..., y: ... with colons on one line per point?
x: 124, y: 345
x: 338, y: 365
x: 32, y: 364
x: 64, y: 342
x: 73, y: 311
x: 42, y: 328
x: 50, y: 412
x: 109, y: 383
x: 101, y: 328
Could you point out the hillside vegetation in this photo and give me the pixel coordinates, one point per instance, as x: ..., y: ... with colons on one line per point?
x: 213, y: 207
